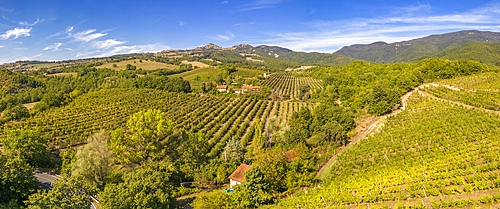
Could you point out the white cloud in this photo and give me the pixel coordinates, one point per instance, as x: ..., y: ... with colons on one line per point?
x: 226, y: 37
x: 224, y: 2
x: 70, y: 49
x: 107, y: 43
x: 66, y: 31
x: 16, y: 33
x: 31, y: 24
x: 260, y: 4
x: 414, y: 22
x: 53, y: 47
x: 135, y: 49
x: 88, y: 35
x: 181, y: 23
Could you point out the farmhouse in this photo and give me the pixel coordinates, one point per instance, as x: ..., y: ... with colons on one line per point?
x: 222, y: 88
x: 251, y: 89
x: 237, y: 176
x: 238, y: 91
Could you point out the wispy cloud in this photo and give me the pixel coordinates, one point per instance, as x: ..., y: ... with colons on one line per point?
x: 70, y: 49
x: 107, y: 43
x: 135, y: 49
x: 53, y: 47
x: 416, y: 21
x: 224, y: 2
x: 88, y: 35
x: 223, y: 37
x: 31, y: 24
x: 182, y: 23
x: 15, y: 33
x: 66, y: 31
x: 260, y: 4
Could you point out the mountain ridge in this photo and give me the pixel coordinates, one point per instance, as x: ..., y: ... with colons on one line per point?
x: 381, y: 52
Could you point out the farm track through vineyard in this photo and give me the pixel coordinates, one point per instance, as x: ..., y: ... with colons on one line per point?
x: 413, y: 160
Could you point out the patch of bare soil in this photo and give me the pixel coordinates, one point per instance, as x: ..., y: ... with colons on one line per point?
x: 195, y: 63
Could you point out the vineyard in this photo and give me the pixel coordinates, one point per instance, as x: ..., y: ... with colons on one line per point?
x: 433, y: 154
x: 219, y: 118
x: 478, y: 98
x: 288, y: 84
x: 482, y: 81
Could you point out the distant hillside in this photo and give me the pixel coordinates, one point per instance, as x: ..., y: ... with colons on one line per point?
x: 488, y: 53
x: 303, y: 58
x: 278, y: 53
x: 415, y: 49
x: 12, y: 82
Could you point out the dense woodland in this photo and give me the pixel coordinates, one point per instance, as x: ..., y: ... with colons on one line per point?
x: 139, y: 138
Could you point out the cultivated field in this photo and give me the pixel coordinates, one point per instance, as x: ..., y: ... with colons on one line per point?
x: 145, y: 65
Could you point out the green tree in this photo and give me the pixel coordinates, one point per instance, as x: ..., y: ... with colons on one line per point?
x: 16, y: 180
x: 16, y: 113
x: 28, y: 145
x: 93, y: 160
x: 214, y: 200
x: 146, y: 138
x: 257, y: 186
x: 146, y: 187
x: 234, y: 151
x: 65, y: 193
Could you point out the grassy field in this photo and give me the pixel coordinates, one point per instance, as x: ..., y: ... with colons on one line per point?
x: 145, y: 65
x: 44, y: 65
x: 62, y: 74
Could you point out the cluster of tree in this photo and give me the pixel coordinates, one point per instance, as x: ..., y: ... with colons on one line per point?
x: 162, y: 83
x: 328, y: 124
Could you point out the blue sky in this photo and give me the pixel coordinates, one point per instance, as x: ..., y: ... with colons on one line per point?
x: 61, y: 30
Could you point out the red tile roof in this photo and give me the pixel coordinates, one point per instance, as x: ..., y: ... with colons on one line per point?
x: 237, y: 175
x: 290, y: 154
x: 222, y: 87
x: 251, y: 87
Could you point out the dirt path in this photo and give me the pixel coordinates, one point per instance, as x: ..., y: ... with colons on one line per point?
x: 372, y: 126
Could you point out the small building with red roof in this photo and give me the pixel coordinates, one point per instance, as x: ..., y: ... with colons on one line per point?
x: 222, y: 88
x: 237, y: 176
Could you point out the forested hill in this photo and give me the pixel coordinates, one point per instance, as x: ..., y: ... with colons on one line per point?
x: 487, y: 53
x: 416, y: 49
x: 271, y: 53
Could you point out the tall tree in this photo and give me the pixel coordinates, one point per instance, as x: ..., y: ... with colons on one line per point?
x: 65, y: 193
x: 16, y: 181
x: 145, y: 139
x: 145, y: 187
x: 234, y: 150
x: 93, y: 160
x: 28, y: 145
x: 257, y: 186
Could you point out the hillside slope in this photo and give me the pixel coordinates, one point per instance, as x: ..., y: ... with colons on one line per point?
x: 415, y: 49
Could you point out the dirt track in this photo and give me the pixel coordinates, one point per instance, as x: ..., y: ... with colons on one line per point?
x: 375, y: 123
x: 372, y: 126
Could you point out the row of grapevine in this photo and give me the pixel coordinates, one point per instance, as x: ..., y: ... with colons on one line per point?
x: 289, y: 84
x: 478, y: 98
x: 432, y: 149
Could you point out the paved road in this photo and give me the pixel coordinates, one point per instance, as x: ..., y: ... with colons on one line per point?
x: 47, y: 179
